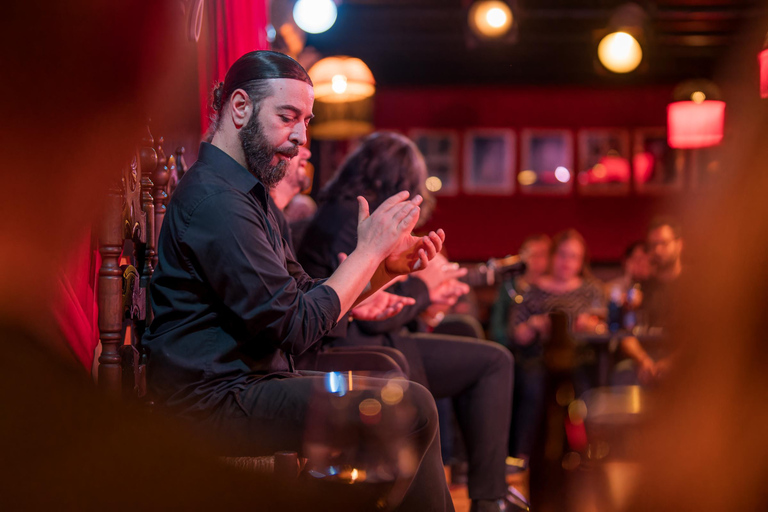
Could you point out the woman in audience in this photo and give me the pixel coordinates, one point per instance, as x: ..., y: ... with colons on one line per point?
x: 568, y: 287
x: 477, y: 374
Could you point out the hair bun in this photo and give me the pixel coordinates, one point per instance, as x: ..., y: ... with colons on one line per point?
x: 218, y: 93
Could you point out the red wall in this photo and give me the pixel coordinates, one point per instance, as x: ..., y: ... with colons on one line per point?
x: 480, y: 227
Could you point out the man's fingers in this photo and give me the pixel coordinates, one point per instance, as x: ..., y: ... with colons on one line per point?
x: 417, y: 200
x: 342, y: 256
x: 422, y: 262
x: 363, y: 210
x: 401, y: 211
x: 393, y: 200
x: 410, y: 220
x: 437, y: 240
x: 429, y: 246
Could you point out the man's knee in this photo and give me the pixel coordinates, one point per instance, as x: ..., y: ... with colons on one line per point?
x: 425, y: 408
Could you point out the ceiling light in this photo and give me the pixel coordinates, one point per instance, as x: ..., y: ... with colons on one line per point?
x: 314, y: 16
x: 620, y: 52
x: 490, y: 18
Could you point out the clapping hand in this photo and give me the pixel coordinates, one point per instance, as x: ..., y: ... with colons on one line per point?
x: 380, y: 306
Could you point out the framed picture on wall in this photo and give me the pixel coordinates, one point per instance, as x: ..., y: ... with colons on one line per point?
x: 604, y: 162
x: 440, y: 150
x: 489, y: 161
x: 657, y: 167
x: 547, y: 162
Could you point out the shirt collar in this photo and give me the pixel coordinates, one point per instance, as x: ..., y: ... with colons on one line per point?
x: 232, y: 172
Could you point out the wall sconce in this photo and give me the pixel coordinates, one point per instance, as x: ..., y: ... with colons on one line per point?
x: 697, y: 118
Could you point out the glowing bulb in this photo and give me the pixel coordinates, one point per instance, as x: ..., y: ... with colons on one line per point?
x: 496, y: 17
x: 527, y: 178
x: 314, y: 16
x: 434, y: 183
x: 562, y: 174
x: 339, y: 84
x: 698, y: 97
x: 620, y: 52
x: 490, y: 18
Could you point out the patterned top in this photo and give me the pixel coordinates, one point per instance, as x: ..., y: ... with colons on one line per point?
x: 537, y: 301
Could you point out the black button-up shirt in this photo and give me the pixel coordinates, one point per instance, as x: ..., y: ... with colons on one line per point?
x: 231, y: 304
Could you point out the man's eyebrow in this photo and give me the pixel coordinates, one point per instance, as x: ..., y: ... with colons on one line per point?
x: 295, y: 110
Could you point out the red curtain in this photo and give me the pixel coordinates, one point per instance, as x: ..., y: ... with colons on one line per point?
x: 75, y: 309
x: 233, y: 27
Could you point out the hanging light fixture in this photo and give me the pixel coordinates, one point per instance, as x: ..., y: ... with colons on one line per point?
x: 697, y: 118
x: 619, y: 52
x: 344, y: 88
x: 619, y: 49
x: 490, y: 18
x: 314, y: 16
x: 341, y: 79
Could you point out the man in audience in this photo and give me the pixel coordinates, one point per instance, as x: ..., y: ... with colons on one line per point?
x: 232, y: 307
x: 664, y: 244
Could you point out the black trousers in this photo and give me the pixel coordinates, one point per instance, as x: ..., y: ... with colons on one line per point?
x: 477, y: 375
x: 273, y: 415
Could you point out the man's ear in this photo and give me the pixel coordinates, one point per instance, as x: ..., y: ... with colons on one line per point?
x: 240, y: 108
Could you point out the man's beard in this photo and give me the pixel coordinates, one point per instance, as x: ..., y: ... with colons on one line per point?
x: 259, y: 153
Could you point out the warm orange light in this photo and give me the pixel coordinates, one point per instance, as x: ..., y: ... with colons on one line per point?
x: 490, y: 18
x: 693, y: 125
x: 341, y: 79
x: 620, y: 52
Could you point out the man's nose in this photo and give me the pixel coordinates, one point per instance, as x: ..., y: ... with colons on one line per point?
x: 299, y: 134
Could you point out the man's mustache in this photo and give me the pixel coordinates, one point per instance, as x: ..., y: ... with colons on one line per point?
x: 290, y: 152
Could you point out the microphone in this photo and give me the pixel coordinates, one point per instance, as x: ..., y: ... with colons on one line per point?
x: 485, y: 274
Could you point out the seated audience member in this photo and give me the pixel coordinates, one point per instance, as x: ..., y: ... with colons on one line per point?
x: 477, y: 374
x: 295, y: 207
x: 664, y: 244
x: 567, y: 287
x: 232, y: 307
x: 636, y: 266
x: 535, y: 253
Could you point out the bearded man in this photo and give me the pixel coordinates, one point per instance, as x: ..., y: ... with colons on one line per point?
x: 232, y: 307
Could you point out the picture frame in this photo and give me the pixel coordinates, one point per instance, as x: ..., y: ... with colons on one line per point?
x: 546, y: 162
x: 604, y: 158
x: 656, y: 167
x: 489, y: 161
x: 440, y: 149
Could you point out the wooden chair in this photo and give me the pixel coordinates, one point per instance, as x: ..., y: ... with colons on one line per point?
x: 127, y: 240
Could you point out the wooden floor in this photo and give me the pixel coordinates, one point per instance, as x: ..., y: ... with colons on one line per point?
x: 460, y: 497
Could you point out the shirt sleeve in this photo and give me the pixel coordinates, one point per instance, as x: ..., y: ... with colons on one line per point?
x: 229, y: 240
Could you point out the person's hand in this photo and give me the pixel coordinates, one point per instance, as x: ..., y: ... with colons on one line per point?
x: 540, y: 324
x: 413, y: 253
x: 382, y: 233
x: 448, y: 292
x: 439, y: 271
x: 380, y: 306
x: 586, y: 322
x: 647, y: 371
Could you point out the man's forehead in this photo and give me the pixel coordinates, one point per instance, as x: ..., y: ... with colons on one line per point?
x: 294, y: 92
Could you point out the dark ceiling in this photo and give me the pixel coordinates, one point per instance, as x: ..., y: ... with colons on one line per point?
x: 425, y: 42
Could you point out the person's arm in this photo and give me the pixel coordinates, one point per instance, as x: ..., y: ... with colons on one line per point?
x: 230, y: 246
x: 646, y: 366
x: 524, y: 325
